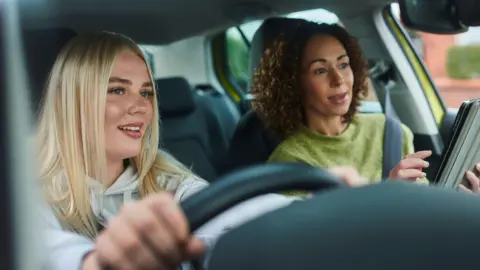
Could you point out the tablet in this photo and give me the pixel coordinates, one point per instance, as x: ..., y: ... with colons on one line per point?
x: 463, y: 150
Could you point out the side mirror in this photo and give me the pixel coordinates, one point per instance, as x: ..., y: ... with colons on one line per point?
x: 434, y: 16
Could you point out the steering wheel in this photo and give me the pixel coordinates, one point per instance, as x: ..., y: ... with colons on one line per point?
x: 250, y: 182
x: 254, y: 181
x: 395, y: 225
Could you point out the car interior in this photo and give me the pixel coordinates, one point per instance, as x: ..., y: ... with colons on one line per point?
x: 207, y: 124
x: 194, y: 89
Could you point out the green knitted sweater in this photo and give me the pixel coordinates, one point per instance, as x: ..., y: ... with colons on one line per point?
x: 359, y: 146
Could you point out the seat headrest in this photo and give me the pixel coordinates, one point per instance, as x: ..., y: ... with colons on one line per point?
x: 265, y: 35
x: 41, y: 50
x: 175, y: 97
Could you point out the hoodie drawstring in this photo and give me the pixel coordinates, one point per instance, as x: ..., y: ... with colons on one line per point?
x: 127, y: 196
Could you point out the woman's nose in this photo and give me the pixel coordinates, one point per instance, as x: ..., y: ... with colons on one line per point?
x: 138, y: 105
x: 336, y: 78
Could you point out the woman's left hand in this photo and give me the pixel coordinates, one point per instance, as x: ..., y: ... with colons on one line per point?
x: 411, y: 166
x: 474, y: 180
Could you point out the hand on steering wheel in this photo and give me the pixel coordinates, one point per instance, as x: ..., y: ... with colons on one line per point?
x: 151, y: 233
x: 349, y: 175
x: 154, y: 233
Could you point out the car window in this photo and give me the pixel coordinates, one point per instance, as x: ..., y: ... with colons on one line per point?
x: 149, y: 56
x: 452, y: 61
x: 238, y: 39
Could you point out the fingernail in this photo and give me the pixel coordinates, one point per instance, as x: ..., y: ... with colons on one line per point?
x: 477, y: 166
x: 426, y: 163
x: 424, y: 174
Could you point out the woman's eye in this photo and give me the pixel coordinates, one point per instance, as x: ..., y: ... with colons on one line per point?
x: 147, y: 94
x: 320, y: 71
x: 344, y: 65
x: 116, y: 91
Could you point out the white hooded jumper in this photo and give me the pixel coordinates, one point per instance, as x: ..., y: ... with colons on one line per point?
x: 66, y: 249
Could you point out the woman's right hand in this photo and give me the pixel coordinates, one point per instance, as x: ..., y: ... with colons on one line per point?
x: 349, y: 175
x: 152, y: 233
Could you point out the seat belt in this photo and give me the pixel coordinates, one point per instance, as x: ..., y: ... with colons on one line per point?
x: 392, y: 137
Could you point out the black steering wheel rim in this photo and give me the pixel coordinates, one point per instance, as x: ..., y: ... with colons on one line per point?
x: 253, y: 181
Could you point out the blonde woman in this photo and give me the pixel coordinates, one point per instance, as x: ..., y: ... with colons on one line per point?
x: 98, y: 135
x: 100, y: 167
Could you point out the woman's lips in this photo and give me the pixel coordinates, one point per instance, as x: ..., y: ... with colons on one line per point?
x: 133, y: 130
x: 339, y: 99
x: 135, y: 134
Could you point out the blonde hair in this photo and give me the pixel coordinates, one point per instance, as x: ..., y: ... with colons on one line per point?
x: 70, y: 130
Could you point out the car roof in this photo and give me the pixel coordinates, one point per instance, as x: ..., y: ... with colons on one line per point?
x: 165, y: 21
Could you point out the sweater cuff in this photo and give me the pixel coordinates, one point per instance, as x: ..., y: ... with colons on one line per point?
x: 71, y: 257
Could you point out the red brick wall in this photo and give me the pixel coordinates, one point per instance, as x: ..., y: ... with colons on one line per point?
x: 454, y: 92
x: 435, y: 52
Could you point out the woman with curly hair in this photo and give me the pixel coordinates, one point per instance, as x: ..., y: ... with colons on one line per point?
x: 307, y: 90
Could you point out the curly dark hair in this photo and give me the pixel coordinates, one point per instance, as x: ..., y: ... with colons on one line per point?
x: 276, y: 85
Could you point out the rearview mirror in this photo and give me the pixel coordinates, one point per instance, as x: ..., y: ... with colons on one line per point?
x: 467, y: 11
x: 433, y: 16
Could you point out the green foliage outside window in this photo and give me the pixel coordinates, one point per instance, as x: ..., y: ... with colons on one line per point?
x: 463, y: 62
x: 237, y: 58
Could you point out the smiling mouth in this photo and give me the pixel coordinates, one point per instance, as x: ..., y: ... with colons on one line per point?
x: 339, y: 99
x: 133, y: 130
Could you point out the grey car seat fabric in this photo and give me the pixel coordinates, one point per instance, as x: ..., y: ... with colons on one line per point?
x: 191, y: 131
x: 226, y: 111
